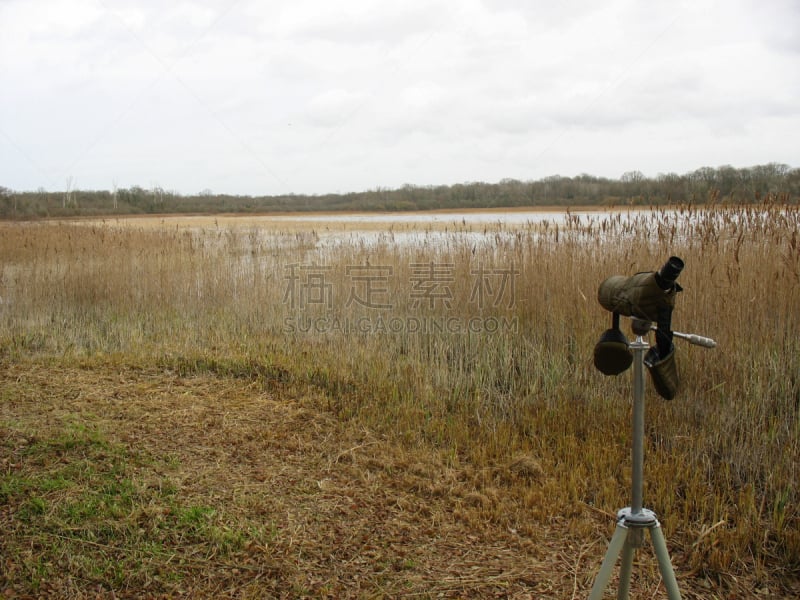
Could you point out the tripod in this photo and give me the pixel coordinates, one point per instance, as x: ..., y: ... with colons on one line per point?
x: 633, y: 520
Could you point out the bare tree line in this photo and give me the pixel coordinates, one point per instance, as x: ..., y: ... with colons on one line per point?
x: 772, y: 181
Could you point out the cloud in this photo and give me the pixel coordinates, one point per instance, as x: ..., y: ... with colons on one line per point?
x: 357, y: 22
x: 309, y: 96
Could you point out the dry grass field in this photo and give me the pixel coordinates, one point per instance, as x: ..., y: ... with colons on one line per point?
x: 241, y: 409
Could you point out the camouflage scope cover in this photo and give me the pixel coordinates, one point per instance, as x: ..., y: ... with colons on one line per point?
x: 636, y: 296
x: 612, y: 354
x: 663, y: 372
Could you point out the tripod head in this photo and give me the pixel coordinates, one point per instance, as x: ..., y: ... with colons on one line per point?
x: 641, y: 327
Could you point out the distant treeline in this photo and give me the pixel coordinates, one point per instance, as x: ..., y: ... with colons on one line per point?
x: 773, y: 181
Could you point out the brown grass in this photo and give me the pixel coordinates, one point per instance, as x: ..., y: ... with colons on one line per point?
x: 520, y: 432
x: 248, y: 488
x: 294, y: 501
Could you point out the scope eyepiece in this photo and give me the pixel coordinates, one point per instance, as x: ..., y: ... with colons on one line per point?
x: 667, y: 275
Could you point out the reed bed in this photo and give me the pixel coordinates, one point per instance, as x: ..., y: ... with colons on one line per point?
x: 477, y: 344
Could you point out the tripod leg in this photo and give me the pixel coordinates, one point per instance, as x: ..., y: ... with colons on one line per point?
x: 625, y: 569
x: 664, y: 564
x: 614, y: 548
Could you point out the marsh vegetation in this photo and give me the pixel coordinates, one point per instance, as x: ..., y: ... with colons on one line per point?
x: 477, y: 350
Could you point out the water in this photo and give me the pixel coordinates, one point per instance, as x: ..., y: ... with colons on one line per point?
x: 434, y: 229
x: 515, y: 218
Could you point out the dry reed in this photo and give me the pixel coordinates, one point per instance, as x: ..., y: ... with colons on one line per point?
x: 721, y: 459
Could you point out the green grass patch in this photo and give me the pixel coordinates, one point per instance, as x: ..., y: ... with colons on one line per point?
x: 75, y: 506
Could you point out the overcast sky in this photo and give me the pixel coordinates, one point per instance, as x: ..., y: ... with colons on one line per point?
x: 313, y: 96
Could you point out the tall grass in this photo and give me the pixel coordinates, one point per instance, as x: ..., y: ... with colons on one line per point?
x: 721, y: 459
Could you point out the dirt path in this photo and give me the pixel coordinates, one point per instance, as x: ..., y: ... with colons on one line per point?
x: 243, y: 488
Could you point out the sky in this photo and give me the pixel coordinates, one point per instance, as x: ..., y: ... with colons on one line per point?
x: 312, y: 97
